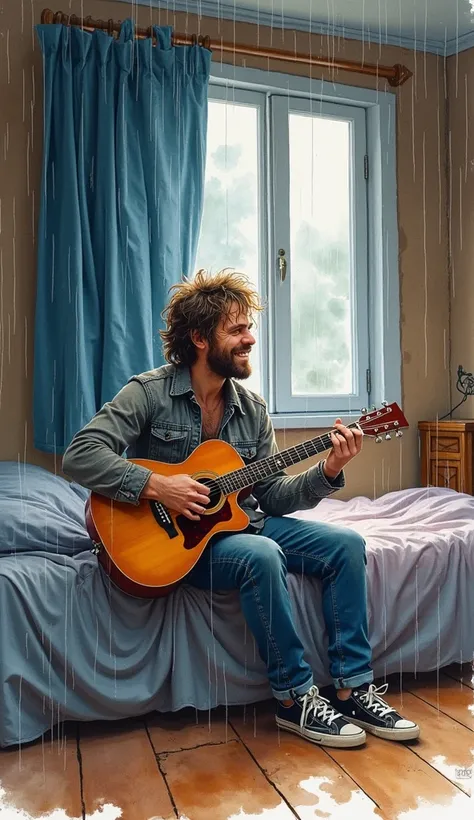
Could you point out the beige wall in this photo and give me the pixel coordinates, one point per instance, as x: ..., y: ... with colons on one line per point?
x: 461, y: 217
x: 422, y: 208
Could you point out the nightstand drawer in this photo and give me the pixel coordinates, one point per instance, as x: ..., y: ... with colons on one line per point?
x: 445, y: 443
x: 446, y: 474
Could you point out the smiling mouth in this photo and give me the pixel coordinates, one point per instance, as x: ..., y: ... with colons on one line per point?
x: 242, y: 354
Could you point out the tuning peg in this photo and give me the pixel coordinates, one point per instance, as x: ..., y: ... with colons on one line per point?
x: 364, y: 410
x: 399, y: 433
x: 388, y: 437
x: 378, y: 439
x: 385, y: 404
x: 374, y: 407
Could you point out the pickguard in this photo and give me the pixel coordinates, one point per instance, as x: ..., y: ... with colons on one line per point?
x: 195, y: 531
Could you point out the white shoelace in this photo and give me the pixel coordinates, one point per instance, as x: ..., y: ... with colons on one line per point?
x: 312, y: 701
x: 373, y: 700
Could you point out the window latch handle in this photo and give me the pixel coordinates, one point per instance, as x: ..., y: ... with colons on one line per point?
x: 282, y: 264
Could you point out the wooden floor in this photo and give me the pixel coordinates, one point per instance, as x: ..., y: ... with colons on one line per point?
x: 236, y: 765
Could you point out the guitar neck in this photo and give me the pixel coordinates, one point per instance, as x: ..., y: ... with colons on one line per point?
x: 264, y: 468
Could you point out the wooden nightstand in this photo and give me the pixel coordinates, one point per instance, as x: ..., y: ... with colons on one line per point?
x: 447, y: 454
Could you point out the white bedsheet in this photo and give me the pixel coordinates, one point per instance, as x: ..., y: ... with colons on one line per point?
x: 420, y: 566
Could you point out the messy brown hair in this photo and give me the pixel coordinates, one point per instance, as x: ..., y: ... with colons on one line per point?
x: 199, y: 304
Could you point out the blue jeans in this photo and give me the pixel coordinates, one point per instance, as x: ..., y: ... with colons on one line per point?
x: 257, y: 565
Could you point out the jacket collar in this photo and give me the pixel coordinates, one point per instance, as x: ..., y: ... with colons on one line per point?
x: 181, y: 384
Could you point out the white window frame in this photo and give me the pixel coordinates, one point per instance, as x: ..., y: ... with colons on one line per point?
x: 382, y: 288
x: 282, y: 400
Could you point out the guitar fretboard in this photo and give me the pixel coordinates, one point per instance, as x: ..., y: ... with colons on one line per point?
x: 246, y: 476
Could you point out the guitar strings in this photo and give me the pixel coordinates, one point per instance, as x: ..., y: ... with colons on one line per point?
x: 245, y: 476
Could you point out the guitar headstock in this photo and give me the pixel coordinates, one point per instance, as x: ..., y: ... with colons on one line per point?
x: 382, y: 421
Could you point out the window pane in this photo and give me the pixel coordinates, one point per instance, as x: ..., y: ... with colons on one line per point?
x: 321, y: 283
x: 230, y: 225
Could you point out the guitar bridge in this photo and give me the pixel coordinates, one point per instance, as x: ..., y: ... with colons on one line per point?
x: 163, y: 518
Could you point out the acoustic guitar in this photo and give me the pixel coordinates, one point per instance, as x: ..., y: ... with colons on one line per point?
x: 148, y: 549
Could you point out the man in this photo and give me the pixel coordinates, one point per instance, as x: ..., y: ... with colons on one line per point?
x: 164, y: 415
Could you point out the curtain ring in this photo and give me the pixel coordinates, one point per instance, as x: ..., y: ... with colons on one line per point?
x: 58, y: 17
x: 194, y: 39
x: 206, y: 42
x: 110, y: 27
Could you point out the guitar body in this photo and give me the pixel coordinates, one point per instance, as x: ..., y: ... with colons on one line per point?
x: 147, y: 549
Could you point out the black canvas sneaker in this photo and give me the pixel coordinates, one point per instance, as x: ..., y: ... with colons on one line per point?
x: 313, y: 717
x: 367, y: 708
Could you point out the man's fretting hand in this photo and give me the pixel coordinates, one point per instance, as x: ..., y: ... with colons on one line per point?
x: 346, y: 444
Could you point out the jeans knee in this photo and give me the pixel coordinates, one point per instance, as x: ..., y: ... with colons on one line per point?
x: 266, y: 556
x: 354, y: 547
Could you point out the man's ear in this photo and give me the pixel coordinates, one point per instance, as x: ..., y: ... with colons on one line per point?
x: 198, y: 340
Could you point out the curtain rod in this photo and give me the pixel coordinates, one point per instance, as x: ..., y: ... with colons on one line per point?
x: 395, y: 75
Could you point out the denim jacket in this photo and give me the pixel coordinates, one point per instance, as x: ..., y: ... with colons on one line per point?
x: 156, y: 416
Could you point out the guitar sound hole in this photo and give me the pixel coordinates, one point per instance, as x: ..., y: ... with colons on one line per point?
x: 215, y: 496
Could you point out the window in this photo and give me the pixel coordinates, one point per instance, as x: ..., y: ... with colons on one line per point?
x: 287, y: 201
x: 231, y: 230
x: 319, y: 215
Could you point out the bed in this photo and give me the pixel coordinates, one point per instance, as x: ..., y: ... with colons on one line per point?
x: 74, y: 647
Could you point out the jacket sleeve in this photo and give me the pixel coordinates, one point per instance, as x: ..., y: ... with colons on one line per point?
x: 95, y: 457
x: 281, y: 494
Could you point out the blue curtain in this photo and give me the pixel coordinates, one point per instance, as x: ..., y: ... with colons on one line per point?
x: 125, y: 126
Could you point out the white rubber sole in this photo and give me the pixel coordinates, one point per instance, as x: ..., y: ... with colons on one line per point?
x: 334, y: 741
x: 411, y: 733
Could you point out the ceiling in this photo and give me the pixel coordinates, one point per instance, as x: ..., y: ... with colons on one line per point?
x: 439, y: 26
